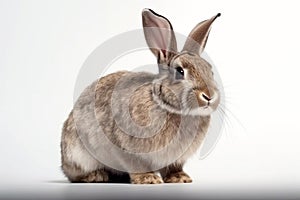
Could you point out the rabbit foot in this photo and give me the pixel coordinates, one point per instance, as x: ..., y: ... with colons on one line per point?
x: 95, y: 177
x: 146, y: 178
x: 178, y: 177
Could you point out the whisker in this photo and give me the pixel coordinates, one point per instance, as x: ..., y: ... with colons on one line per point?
x: 226, y: 120
x: 221, y: 118
x: 234, y: 117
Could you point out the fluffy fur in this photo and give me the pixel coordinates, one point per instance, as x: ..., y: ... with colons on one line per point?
x: 127, y: 126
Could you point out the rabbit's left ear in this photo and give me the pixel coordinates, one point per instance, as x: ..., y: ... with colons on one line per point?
x: 159, y: 36
x: 197, y: 38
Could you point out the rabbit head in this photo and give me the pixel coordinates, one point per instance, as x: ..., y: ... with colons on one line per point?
x: 185, y: 83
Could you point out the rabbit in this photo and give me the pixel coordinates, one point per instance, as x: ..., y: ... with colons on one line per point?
x: 139, y: 127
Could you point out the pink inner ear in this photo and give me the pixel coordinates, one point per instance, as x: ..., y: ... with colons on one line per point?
x: 158, y: 38
x: 162, y: 40
x: 159, y: 32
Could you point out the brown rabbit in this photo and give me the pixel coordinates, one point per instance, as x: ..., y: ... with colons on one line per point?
x: 136, y: 124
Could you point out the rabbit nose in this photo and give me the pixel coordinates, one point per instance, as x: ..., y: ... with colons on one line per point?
x: 205, y: 96
x: 209, y: 99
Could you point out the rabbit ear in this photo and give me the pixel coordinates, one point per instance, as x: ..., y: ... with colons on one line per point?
x: 197, y: 38
x: 159, y: 36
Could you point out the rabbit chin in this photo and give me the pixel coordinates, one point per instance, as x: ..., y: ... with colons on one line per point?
x: 200, y: 111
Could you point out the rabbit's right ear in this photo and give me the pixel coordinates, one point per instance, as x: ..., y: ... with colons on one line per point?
x: 159, y: 36
x: 197, y: 39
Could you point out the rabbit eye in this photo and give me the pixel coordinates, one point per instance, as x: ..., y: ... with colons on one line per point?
x: 179, y: 73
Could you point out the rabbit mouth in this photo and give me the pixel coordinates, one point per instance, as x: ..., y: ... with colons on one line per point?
x: 201, y: 111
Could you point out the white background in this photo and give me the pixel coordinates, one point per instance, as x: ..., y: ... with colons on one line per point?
x: 255, y: 46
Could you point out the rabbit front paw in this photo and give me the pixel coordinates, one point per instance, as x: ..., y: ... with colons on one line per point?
x: 145, y: 178
x: 178, y: 177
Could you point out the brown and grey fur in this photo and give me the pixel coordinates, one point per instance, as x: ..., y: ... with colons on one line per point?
x: 170, y: 111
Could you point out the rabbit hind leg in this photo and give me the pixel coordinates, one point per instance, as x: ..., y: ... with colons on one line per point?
x: 77, y: 175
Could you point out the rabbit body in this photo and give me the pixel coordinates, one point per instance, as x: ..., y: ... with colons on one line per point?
x: 127, y: 126
x: 77, y: 161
